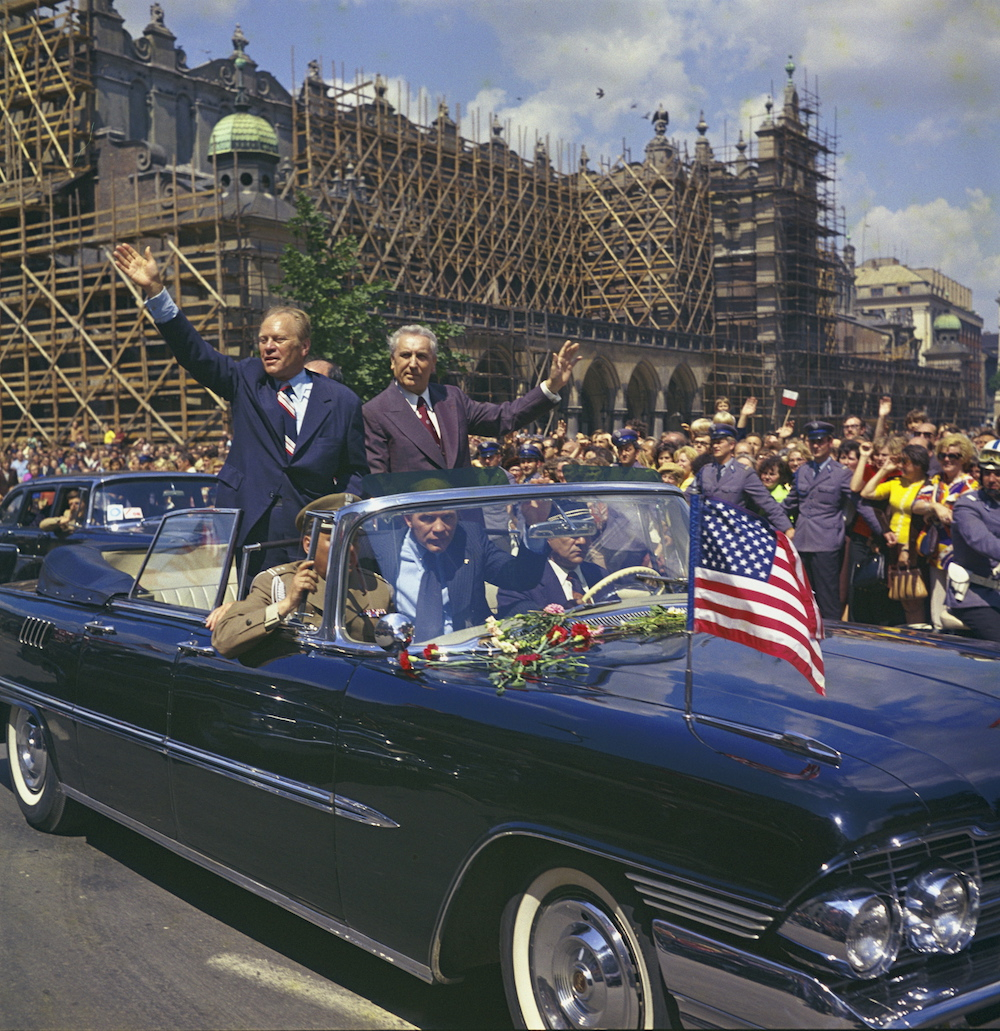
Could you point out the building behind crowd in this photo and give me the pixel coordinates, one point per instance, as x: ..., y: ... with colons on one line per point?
x: 683, y: 276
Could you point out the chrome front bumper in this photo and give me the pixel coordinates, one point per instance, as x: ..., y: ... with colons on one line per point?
x: 718, y: 985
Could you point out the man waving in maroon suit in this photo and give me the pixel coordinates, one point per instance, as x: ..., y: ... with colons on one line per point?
x: 415, y: 424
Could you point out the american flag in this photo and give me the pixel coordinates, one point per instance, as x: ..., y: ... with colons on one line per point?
x: 748, y: 585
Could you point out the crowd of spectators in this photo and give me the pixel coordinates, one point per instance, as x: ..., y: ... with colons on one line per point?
x: 911, y: 469
x: 30, y: 458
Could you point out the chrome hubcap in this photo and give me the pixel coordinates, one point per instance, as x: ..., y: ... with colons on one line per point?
x: 582, y: 971
x: 32, y: 757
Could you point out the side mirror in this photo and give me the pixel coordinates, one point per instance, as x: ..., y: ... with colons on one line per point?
x: 393, y: 632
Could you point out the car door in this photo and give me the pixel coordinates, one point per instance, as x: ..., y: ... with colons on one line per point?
x: 127, y: 660
x: 10, y: 515
x: 126, y: 664
x: 252, y: 745
x: 22, y: 542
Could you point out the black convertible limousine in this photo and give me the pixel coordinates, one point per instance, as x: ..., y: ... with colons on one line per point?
x: 643, y: 825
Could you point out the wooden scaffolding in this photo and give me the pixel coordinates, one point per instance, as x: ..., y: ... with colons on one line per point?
x: 75, y: 344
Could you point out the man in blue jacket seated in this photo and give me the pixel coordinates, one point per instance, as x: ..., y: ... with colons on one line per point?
x: 440, y: 571
x: 566, y: 576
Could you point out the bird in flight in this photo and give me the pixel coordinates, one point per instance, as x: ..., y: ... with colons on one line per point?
x: 600, y: 93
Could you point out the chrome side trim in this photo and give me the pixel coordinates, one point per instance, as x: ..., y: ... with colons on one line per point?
x: 14, y: 693
x: 349, y: 809
x: 293, y: 790
x: 35, y: 632
x: 119, y: 728
x: 314, y: 916
x: 714, y: 909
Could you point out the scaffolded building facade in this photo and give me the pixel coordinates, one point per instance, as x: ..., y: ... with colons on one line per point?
x: 683, y: 278
x: 106, y: 138
x: 781, y: 286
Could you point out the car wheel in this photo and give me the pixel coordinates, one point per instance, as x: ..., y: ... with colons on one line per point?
x: 572, y: 957
x: 36, y: 785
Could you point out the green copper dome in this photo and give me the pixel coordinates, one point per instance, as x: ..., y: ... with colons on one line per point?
x: 243, y: 133
x: 947, y: 322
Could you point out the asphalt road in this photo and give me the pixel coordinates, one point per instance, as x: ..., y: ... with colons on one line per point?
x: 106, y: 931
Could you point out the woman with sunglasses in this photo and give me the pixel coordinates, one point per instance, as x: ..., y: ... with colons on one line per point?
x: 935, y: 502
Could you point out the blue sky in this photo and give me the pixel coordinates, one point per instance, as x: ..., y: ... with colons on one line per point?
x: 910, y: 86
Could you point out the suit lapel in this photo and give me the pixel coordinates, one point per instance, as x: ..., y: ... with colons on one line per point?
x: 446, y: 413
x: 266, y: 398
x: 399, y: 412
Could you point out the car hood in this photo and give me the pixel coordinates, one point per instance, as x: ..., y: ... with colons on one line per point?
x: 924, y: 709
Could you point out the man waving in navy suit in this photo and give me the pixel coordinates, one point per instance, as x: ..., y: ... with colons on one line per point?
x: 415, y: 424
x: 297, y: 436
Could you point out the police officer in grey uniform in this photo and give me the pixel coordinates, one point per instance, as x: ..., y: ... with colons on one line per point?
x: 725, y: 479
x: 822, y: 501
x: 974, y: 570
x: 626, y: 442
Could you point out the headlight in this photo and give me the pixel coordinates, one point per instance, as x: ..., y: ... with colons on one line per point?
x: 858, y: 930
x: 942, y: 909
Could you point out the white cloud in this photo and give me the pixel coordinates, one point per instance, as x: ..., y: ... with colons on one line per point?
x: 963, y: 242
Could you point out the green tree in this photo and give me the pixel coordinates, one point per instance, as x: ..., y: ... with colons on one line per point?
x: 323, y: 276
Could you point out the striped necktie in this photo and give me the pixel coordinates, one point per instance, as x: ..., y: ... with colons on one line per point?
x: 287, y: 401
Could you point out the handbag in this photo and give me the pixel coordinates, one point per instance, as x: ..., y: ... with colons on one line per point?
x: 906, y: 584
x: 869, y: 572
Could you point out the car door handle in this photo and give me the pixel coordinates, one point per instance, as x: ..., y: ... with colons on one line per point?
x: 194, y: 648
x: 99, y: 629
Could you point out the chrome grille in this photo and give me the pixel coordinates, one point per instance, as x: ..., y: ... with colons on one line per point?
x: 694, y: 902
x: 35, y: 632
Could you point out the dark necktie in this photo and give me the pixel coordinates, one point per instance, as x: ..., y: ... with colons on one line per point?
x: 429, y: 621
x: 425, y: 418
x: 288, y: 417
x: 575, y: 586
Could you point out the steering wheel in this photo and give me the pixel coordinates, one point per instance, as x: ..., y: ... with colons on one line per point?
x: 618, y: 574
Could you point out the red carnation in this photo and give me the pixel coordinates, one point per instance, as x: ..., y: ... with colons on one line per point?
x: 404, y: 660
x: 432, y: 652
x: 557, y: 634
x: 526, y: 660
x: 581, y: 636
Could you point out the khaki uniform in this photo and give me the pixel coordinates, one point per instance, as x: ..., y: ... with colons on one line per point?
x: 252, y: 620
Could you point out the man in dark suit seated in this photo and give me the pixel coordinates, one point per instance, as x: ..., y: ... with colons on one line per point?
x: 415, y: 424
x: 565, y: 578
x: 440, y: 571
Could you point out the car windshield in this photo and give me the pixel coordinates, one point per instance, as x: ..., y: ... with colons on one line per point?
x: 187, y: 559
x: 142, y: 498
x: 451, y: 564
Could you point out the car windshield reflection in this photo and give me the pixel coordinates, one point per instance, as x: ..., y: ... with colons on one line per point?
x: 146, y: 500
x: 450, y: 565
